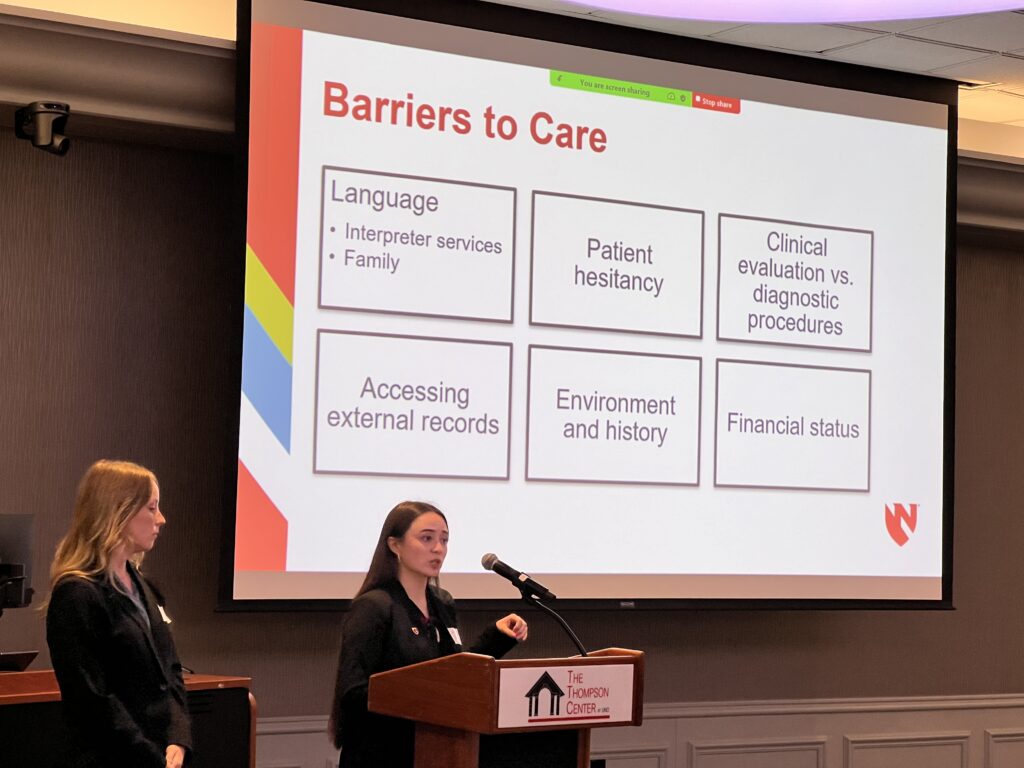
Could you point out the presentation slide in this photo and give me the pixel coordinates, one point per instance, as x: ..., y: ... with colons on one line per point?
x: 643, y: 329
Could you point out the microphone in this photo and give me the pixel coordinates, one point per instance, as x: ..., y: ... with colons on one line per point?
x: 522, y: 581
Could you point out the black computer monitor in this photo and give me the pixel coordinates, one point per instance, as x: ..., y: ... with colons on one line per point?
x: 15, y: 561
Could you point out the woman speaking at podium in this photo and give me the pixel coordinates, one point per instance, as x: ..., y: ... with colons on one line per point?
x: 400, y: 616
x: 120, y: 679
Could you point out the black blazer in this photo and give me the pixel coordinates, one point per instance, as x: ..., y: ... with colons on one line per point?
x: 384, y: 630
x: 120, y: 681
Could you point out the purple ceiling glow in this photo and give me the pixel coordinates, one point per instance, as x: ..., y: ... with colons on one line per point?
x: 800, y: 11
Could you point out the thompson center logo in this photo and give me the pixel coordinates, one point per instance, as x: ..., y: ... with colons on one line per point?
x: 578, y: 701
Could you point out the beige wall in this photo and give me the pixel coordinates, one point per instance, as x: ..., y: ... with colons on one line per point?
x: 206, y: 18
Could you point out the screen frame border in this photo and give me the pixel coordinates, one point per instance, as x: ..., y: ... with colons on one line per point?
x: 555, y: 28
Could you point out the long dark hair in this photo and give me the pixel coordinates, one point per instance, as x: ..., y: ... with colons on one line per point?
x: 384, y: 564
x: 383, y: 571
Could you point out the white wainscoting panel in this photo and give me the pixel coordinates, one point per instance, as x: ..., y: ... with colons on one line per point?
x: 911, y: 750
x: 294, y: 742
x: 759, y: 753
x: 655, y: 757
x: 915, y: 732
x: 1004, y: 747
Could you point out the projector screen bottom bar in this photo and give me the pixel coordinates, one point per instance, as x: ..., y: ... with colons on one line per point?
x: 299, y: 585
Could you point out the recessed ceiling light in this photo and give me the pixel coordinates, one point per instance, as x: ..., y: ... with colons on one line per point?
x: 800, y: 11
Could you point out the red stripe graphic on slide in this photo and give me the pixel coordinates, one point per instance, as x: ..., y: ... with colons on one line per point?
x: 261, y: 532
x: 275, y: 81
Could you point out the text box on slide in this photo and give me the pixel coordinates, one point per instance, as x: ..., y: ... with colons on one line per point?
x: 613, y: 417
x: 792, y: 426
x: 616, y: 265
x: 417, y: 246
x: 413, y: 406
x: 784, y: 282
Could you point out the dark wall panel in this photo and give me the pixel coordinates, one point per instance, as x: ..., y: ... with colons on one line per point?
x: 115, y: 327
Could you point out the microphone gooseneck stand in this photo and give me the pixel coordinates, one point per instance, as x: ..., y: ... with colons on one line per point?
x: 534, y: 600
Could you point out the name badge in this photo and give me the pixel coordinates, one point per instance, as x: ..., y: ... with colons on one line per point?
x: 163, y: 614
x: 454, y: 632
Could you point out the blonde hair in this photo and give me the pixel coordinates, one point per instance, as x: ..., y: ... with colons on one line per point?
x: 109, y: 496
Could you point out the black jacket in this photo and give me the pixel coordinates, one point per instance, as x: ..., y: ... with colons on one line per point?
x: 383, y: 630
x: 120, y: 681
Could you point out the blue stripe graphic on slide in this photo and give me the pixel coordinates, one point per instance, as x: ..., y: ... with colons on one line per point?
x: 267, y: 379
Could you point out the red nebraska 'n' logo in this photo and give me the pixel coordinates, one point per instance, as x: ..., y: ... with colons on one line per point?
x: 896, y: 517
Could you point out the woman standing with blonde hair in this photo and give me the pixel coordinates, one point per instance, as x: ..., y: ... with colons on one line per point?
x: 110, y: 644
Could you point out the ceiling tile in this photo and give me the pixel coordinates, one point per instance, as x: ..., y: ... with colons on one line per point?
x: 990, y: 31
x: 806, y: 38
x: 991, y: 69
x: 673, y: 26
x: 991, y: 106
x: 878, y: 44
x: 909, y: 55
x: 899, y: 25
x: 549, y: 6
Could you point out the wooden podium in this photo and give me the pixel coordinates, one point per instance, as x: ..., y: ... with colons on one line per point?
x: 473, y: 711
x: 222, y: 710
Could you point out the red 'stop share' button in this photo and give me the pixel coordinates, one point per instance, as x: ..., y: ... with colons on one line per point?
x: 717, y: 103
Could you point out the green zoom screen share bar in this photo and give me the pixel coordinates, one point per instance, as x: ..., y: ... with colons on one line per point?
x: 643, y: 91
x: 625, y: 88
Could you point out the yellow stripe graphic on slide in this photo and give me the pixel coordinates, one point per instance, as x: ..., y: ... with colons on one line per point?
x: 268, y: 304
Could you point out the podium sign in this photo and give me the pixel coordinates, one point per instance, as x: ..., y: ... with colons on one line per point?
x: 581, y: 695
x: 473, y: 711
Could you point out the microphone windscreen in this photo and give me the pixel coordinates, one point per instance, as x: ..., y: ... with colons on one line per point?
x: 488, y: 561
